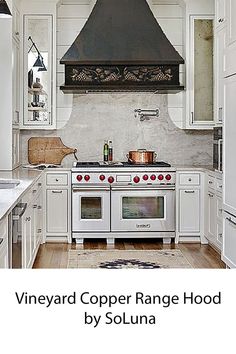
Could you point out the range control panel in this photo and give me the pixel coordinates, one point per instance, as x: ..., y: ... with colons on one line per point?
x: 150, y: 178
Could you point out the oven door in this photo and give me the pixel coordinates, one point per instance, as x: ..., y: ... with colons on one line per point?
x: 90, y: 209
x: 143, y: 210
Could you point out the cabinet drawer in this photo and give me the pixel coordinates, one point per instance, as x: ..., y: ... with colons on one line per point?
x: 57, y: 179
x: 189, y: 179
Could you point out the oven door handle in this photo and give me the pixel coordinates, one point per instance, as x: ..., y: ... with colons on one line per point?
x: 90, y: 189
x: 130, y: 188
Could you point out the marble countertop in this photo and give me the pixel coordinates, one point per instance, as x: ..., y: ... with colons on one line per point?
x: 10, y: 197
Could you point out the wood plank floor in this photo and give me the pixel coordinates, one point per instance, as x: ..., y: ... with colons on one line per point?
x: 54, y: 255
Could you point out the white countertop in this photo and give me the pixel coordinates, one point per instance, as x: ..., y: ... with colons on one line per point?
x: 9, y: 197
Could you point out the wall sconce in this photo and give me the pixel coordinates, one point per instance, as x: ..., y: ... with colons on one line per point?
x: 39, y: 61
x: 4, y: 10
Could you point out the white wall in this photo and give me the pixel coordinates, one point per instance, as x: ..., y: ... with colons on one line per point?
x: 72, y: 15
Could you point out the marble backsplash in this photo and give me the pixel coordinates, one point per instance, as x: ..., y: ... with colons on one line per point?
x: 97, y: 117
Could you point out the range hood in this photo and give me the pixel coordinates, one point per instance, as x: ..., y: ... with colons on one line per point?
x: 121, y: 48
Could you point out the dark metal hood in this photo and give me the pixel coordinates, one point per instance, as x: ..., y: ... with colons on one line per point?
x: 121, y: 48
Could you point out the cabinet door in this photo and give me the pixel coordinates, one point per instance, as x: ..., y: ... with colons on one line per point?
x: 189, y: 207
x: 15, y: 148
x: 16, y: 84
x: 229, y: 240
x: 4, y: 244
x: 27, y: 233
x: 220, y: 45
x: 211, y: 216
x: 231, y: 38
x: 201, y: 70
x: 57, y: 211
x: 38, y: 220
x: 229, y: 148
x: 38, y: 71
x: 220, y: 12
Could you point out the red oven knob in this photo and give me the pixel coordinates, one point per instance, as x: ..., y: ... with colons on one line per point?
x: 136, y: 179
x: 111, y: 180
x: 87, y: 178
x: 79, y: 178
x: 102, y: 178
x: 160, y: 177
x: 145, y: 177
x: 168, y: 177
x: 153, y: 177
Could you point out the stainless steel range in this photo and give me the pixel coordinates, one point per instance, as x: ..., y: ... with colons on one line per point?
x: 123, y: 201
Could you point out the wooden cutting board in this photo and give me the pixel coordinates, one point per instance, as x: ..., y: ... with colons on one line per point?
x: 47, y: 151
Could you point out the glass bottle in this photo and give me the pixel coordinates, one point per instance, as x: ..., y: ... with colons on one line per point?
x: 105, y: 151
x: 110, y: 151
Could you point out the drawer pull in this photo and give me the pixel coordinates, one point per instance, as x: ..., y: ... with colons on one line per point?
x: 57, y: 192
x: 39, y: 231
x: 231, y: 221
x: 40, y: 184
x: 34, y: 191
x: 189, y: 192
x: 35, y: 206
x: 210, y: 195
x: 221, y: 235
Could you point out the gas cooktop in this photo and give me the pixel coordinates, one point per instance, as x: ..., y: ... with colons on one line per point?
x: 120, y: 164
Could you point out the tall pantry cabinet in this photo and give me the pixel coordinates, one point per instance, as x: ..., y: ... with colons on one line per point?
x: 229, y: 167
x: 10, y: 90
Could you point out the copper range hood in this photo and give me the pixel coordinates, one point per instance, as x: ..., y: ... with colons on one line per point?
x: 121, y: 48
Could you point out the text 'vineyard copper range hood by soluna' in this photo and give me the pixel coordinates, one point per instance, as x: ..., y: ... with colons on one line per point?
x: 121, y: 48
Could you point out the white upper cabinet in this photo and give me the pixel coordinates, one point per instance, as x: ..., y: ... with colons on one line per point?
x: 220, y: 8
x: 199, y: 33
x: 39, y: 73
x: 231, y: 38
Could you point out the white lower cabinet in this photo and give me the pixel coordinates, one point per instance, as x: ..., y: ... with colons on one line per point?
x: 32, y: 224
x: 4, y: 243
x: 189, y: 210
x: 190, y: 197
x: 213, y: 214
x: 229, y: 247
x: 57, y: 206
x: 57, y: 216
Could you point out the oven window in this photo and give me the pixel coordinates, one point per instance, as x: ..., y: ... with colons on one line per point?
x: 143, y: 208
x: 91, y: 208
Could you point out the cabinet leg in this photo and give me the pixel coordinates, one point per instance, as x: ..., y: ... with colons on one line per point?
x: 79, y: 241
x: 110, y: 241
x: 167, y: 241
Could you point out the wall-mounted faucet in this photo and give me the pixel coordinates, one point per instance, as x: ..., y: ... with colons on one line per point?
x: 146, y: 114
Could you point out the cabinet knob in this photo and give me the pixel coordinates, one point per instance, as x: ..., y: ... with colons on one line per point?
x: 210, y: 195
x: 190, y: 179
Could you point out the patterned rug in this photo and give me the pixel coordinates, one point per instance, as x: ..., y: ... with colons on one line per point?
x: 124, y: 259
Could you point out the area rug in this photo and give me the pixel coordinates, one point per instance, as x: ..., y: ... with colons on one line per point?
x: 124, y: 259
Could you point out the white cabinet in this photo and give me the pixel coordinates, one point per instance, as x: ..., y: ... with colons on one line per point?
x: 220, y: 7
x: 57, y: 216
x: 32, y: 224
x: 229, y: 245
x: 4, y: 243
x: 57, y: 206
x: 220, y: 69
x: 39, y: 71
x: 190, y: 207
x: 231, y: 37
x: 229, y: 147
x: 15, y: 148
x: 199, y: 39
x: 189, y: 211
x: 213, y: 210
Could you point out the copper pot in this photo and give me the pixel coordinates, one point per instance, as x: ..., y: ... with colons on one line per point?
x: 142, y: 156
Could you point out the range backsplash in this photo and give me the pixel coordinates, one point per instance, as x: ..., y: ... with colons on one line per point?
x: 95, y: 118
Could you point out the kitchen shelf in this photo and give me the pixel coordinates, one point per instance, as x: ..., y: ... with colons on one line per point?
x: 37, y: 109
x: 35, y: 91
